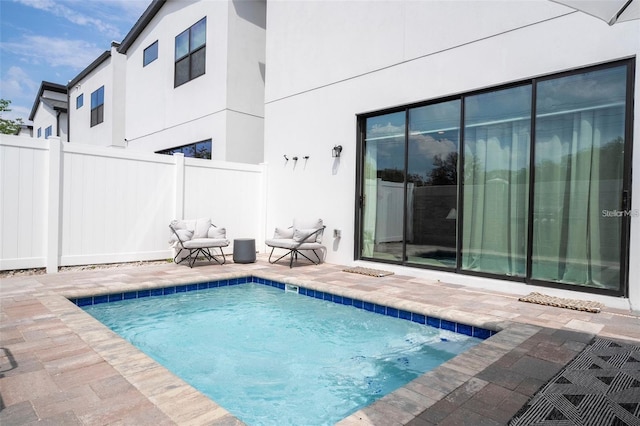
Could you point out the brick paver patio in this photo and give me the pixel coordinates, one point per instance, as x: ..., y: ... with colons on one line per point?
x: 58, y: 365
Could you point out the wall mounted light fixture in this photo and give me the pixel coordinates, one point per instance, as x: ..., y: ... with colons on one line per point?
x: 335, y: 152
x: 295, y: 158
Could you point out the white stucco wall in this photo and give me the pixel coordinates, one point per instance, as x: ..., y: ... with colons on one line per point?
x: 103, y: 133
x: 245, y: 81
x: 46, y: 116
x: 161, y: 116
x: 329, y: 61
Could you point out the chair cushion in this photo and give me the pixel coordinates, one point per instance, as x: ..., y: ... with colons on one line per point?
x: 290, y: 244
x: 217, y: 233
x: 201, y: 228
x: 286, y: 243
x: 309, y: 224
x: 184, y: 234
x: 283, y: 233
x: 304, y: 235
x: 178, y: 224
x: 206, y: 242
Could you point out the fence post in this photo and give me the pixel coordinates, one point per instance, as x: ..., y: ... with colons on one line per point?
x: 262, y: 206
x: 53, y: 205
x: 179, y: 204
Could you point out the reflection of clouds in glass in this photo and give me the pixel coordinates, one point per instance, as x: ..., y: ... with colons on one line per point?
x: 506, y: 105
x: 493, y: 155
x: 424, y: 148
x: 551, y: 149
x: 582, y: 90
x: 428, y: 147
x: 385, y: 126
x: 442, y: 116
x: 499, y: 147
x: 387, y: 130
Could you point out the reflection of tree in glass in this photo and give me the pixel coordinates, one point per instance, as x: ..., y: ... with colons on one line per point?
x: 391, y: 175
x: 609, y: 162
x: 445, y: 171
x: 202, y: 150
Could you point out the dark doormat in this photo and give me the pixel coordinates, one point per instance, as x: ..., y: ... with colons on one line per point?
x: 601, y: 386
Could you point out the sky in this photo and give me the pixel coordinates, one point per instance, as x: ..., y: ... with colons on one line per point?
x: 54, y: 40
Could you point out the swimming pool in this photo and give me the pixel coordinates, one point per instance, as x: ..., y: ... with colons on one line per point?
x: 359, y: 356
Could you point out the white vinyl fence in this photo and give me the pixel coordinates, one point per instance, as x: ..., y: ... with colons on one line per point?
x: 67, y: 204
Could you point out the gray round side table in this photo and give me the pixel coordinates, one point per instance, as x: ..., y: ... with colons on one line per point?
x: 244, y: 250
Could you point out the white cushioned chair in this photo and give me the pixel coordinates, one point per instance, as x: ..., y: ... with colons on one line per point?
x: 197, y: 237
x: 303, y: 235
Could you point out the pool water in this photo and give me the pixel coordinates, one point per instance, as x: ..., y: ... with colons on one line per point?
x: 278, y: 358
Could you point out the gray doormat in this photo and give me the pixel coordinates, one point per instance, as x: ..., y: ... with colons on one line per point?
x: 368, y: 271
x: 601, y: 386
x: 559, y: 302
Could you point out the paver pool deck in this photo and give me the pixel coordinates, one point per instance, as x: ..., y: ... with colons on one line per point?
x: 60, y: 366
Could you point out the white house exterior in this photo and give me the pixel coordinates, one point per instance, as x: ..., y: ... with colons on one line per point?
x: 99, y: 90
x: 49, y: 112
x: 484, y: 143
x: 146, y: 107
x: 384, y: 79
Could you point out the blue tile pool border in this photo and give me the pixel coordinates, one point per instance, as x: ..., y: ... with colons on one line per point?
x: 469, y: 330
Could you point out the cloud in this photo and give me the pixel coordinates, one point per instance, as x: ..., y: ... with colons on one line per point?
x: 17, y: 112
x: 15, y: 82
x: 54, y: 52
x: 428, y: 147
x: 19, y: 88
x: 74, y: 15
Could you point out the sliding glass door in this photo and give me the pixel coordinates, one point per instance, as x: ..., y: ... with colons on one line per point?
x: 432, y: 184
x: 578, y: 215
x: 383, y: 187
x: 496, y: 181
x: 527, y: 182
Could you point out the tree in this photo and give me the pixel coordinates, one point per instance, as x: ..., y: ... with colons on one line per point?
x: 8, y: 127
x: 445, y: 171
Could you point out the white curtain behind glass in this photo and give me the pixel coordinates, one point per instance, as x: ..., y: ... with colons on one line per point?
x: 370, y: 200
x: 578, y: 175
x: 496, y: 163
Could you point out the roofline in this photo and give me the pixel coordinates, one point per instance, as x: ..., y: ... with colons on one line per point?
x: 141, y: 24
x: 91, y: 67
x: 46, y: 85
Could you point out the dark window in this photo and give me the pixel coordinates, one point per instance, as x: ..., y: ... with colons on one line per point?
x: 47, y: 132
x: 80, y: 100
x: 39, y: 132
x: 200, y: 149
x: 97, y: 106
x: 190, y: 53
x: 524, y: 182
x: 150, y: 54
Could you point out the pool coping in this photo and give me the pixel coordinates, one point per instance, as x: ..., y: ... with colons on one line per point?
x: 185, y: 405
x: 393, y: 312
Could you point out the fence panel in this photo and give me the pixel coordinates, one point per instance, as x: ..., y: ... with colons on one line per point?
x: 114, y: 205
x: 23, y: 208
x: 228, y: 193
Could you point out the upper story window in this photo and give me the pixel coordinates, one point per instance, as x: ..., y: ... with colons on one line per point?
x: 97, y: 106
x: 48, y: 132
x: 190, y: 53
x: 39, y: 132
x: 150, y: 54
x: 80, y: 100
